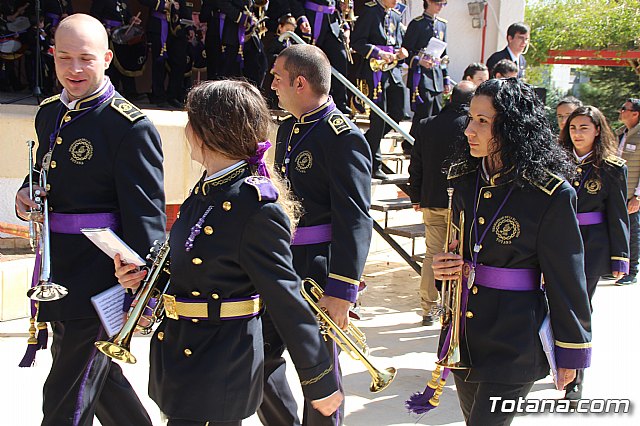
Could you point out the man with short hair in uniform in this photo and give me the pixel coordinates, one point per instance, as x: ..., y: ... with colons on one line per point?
x: 517, y: 42
x: 378, y: 35
x: 427, y: 78
x: 104, y: 164
x: 327, y: 163
x: 114, y: 14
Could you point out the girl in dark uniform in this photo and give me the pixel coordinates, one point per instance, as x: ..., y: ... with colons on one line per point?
x: 229, y: 253
x: 520, y: 223
x: 601, y: 185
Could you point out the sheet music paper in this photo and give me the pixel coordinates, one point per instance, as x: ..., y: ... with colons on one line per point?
x: 108, y: 305
x: 110, y: 243
x: 436, y: 47
x: 548, y: 343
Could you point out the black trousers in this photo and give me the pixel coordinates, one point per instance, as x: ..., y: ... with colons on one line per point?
x: 180, y: 422
x: 254, y: 68
x: 158, y: 71
x: 278, y: 405
x: 391, y: 101
x: 634, y: 242
x: 431, y: 106
x: 83, y: 381
x: 476, y: 405
x: 117, y: 78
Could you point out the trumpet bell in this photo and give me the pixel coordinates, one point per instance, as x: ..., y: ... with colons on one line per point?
x: 115, y: 351
x: 381, y: 65
x: 47, y: 292
x: 383, y: 379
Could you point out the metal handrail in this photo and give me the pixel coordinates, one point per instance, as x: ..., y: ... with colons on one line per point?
x: 375, y: 108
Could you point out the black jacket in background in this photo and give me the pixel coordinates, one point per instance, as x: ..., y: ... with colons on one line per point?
x: 437, y: 140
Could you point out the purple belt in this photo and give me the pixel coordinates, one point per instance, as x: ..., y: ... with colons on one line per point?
x: 164, y: 31
x: 110, y: 23
x: 590, y: 218
x: 65, y: 223
x: 307, y: 235
x: 320, y: 10
x: 507, y: 278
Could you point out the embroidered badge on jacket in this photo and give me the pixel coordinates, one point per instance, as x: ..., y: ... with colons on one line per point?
x: 304, y: 161
x: 506, y: 229
x: 593, y: 186
x: 81, y: 150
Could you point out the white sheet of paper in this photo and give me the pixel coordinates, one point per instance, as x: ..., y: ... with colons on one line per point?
x: 109, y: 242
x: 548, y: 343
x: 108, y: 305
x: 436, y: 47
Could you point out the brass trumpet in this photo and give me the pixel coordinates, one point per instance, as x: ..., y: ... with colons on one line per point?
x: 153, y: 287
x: 39, y: 235
x: 382, y: 65
x: 451, y: 311
x: 357, y: 350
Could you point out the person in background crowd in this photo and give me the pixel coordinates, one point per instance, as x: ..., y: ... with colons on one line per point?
x: 158, y: 33
x: 437, y: 139
x: 564, y: 109
x: 505, y: 68
x: 601, y: 186
x: 517, y: 45
x: 476, y: 73
x: 629, y: 150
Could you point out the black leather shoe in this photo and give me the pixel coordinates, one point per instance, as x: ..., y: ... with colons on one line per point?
x: 573, y: 394
x: 379, y: 174
x: 428, y: 320
x: 627, y: 279
x: 174, y: 103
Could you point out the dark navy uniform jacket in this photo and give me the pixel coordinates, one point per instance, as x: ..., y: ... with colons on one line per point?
x: 113, y: 10
x: 504, y: 54
x: 604, y: 189
x: 235, y: 12
x: 377, y: 27
x: 244, y: 251
x: 154, y: 25
x: 536, y: 228
x: 417, y: 36
x: 329, y: 171
x: 108, y: 160
x: 330, y: 22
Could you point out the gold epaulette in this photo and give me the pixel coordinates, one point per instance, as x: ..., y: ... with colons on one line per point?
x: 460, y: 169
x: 49, y: 100
x: 419, y: 18
x: 127, y: 109
x: 339, y: 123
x: 371, y: 3
x: 616, y: 161
x: 548, y: 183
x: 441, y: 19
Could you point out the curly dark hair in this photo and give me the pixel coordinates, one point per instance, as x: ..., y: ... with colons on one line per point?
x: 605, y: 143
x: 522, y: 135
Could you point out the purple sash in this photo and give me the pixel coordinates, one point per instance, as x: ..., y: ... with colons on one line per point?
x: 320, y: 10
x: 110, y: 23
x: 55, y: 19
x: 307, y: 235
x: 507, y: 278
x: 65, y: 223
x: 164, y: 31
x: 414, y: 87
x: 590, y: 218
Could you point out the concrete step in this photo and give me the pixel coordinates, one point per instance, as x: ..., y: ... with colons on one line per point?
x: 394, y: 179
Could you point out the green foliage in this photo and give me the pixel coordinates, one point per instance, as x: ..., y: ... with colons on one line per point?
x: 582, y: 24
x: 608, y: 88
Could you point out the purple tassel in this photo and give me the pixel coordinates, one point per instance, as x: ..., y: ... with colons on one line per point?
x: 418, y: 403
x: 43, y: 336
x: 29, y: 357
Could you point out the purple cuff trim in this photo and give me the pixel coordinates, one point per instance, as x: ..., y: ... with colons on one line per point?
x: 507, y: 278
x: 64, y: 223
x: 307, y: 235
x: 572, y: 358
x: 590, y: 218
x: 620, y: 265
x: 341, y: 290
x: 447, y: 80
x: 380, y: 48
x: 126, y: 302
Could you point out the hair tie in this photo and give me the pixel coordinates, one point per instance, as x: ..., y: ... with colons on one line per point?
x: 258, y: 158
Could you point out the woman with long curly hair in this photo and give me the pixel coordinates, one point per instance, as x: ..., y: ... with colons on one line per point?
x: 520, y: 226
x: 230, y: 255
x: 601, y: 185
